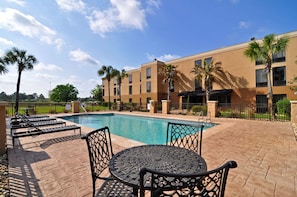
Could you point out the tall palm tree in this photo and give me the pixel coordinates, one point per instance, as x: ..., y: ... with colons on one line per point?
x: 24, y: 62
x: 109, y: 73
x: 208, y: 73
x: 169, y: 73
x: 120, y: 75
x: 264, y: 52
x: 3, y: 68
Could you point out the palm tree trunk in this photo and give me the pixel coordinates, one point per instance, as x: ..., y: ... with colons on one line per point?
x: 16, y: 109
x: 108, y: 94
x: 270, y: 94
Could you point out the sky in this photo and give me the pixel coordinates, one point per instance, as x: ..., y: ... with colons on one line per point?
x: 72, y: 39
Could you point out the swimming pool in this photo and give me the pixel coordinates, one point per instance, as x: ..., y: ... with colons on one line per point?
x: 144, y: 129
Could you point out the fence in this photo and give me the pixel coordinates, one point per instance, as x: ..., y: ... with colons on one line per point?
x: 253, y: 112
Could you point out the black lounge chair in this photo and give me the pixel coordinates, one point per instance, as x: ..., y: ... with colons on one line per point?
x: 39, y: 131
x: 29, y: 124
x: 210, y: 183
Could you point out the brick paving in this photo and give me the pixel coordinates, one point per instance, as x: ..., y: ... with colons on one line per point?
x: 57, y: 164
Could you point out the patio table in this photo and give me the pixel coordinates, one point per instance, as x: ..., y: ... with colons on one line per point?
x: 125, y: 165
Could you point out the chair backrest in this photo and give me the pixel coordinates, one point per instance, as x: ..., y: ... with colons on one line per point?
x: 211, y: 183
x: 185, y: 135
x: 100, y: 150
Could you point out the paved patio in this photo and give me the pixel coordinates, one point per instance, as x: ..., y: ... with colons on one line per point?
x: 57, y: 164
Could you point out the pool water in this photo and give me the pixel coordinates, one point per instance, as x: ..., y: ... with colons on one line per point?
x: 144, y: 129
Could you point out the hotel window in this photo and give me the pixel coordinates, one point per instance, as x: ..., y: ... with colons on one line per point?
x: 130, y: 78
x: 279, y: 76
x: 198, y: 81
x: 148, y: 86
x: 130, y: 100
x: 279, y: 57
x: 261, y: 78
x: 103, y: 91
x: 208, y: 60
x: 114, y: 81
x: 140, y: 89
x: 139, y: 76
x: 130, y: 90
x: 114, y: 91
x: 148, y: 73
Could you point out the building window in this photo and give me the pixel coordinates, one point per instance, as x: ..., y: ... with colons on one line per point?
x: 139, y: 76
x: 103, y: 91
x: 114, y: 91
x: 261, y: 78
x: 130, y: 100
x: 148, y: 73
x: 279, y: 57
x: 130, y: 90
x: 114, y: 81
x: 148, y: 99
x: 279, y: 76
x: 198, y: 81
x: 277, y: 97
x: 140, y: 89
x: 208, y: 60
x: 261, y: 103
x: 148, y: 86
x: 130, y: 78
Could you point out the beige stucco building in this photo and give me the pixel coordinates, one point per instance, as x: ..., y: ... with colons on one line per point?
x: 242, y: 82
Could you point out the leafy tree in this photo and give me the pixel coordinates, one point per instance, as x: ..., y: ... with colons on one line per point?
x: 264, y: 52
x: 24, y: 62
x: 64, y: 93
x: 3, y: 68
x: 109, y: 73
x: 97, y: 92
x: 169, y: 74
x: 120, y: 75
x: 208, y: 72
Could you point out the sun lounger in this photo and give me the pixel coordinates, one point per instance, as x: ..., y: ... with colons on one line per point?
x: 36, y: 124
x: 39, y: 131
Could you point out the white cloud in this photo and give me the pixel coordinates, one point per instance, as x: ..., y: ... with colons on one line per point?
x: 27, y: 25
x: 122, y: 13
x: 164, y: 58
x: 19, y: 2
x: 48, y: 67
x: 80, y: 56
x: 244, y: 25
x: 72, y: 5
x: 6, y: 42
x: 45, y: 76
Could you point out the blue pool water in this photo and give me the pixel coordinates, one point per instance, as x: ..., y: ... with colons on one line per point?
x: 144, y: 129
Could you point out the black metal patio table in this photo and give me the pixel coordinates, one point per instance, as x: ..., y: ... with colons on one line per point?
x: 126, y: 165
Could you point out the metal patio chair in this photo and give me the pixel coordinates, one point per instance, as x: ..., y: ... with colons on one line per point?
x: 185, y: 135
x: 100, y: 153
x: 211, y: 183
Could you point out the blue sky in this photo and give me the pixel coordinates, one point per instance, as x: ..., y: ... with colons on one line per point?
x: 72, y: 39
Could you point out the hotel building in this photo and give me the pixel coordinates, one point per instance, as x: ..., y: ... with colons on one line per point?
x: 243, y: 81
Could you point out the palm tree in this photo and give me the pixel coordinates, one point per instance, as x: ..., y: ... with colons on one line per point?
x: 24, y: 62
x: 3, y: 68
x: 169, y: 73
x: 264, y: 52
x: 120, y: 75
x: 208, y: 72
x: 109, y: 73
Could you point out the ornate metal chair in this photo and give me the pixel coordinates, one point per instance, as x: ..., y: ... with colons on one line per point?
x: 210, y: 184
x: 100, y: 153
x: 185, y: 135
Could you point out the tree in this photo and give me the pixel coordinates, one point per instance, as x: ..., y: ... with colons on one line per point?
x: 120, y: 75
x: 64, y: 93
x: 24, y: 62
x: 109, y: 73
x: 97, y: 92
x: 264, y: 52
x: 3, y: 68
x: 169, y: 74
x: 208, y: 72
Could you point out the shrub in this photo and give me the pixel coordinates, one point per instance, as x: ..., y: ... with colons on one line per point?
x: 284, y: 106
x: 199, y: 108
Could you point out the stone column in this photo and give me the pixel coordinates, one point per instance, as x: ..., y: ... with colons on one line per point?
x: 165, y: 106
x: 293, y: 111
x: 153, y: 106
x: 2, y: 128
x: 212, y: 109
x: 75, y: 106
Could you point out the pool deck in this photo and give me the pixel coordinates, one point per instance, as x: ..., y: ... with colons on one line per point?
x: 57, y: 164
